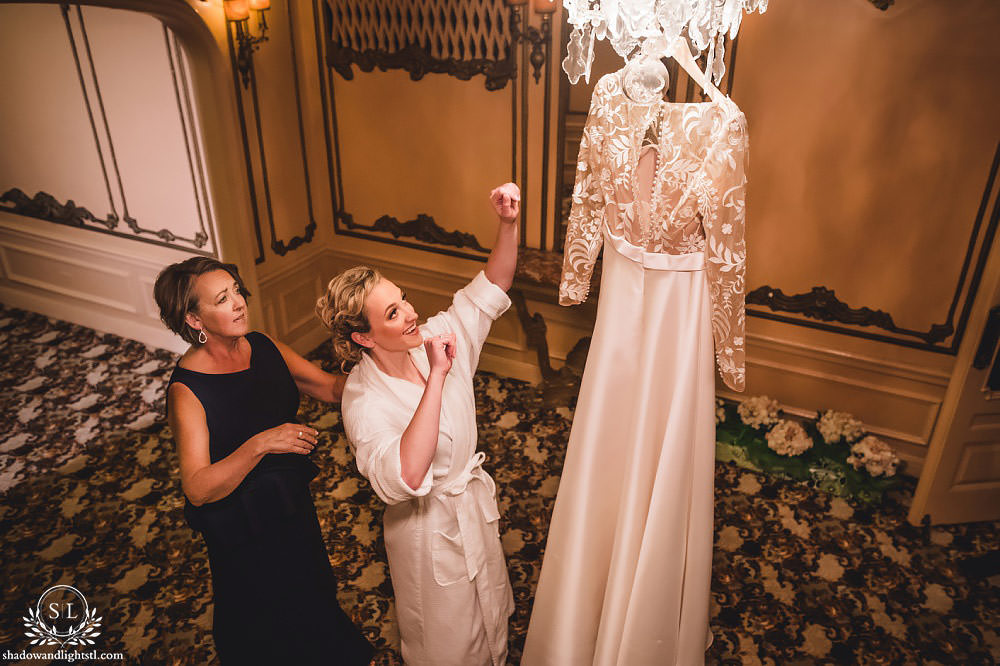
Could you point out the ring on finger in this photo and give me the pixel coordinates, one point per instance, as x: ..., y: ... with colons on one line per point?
x: 300, y: 434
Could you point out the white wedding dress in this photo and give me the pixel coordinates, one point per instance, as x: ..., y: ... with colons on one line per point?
x: 627, y: 570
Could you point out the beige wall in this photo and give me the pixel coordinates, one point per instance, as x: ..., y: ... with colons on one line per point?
x: 872, y: 135
x: 435, y: 146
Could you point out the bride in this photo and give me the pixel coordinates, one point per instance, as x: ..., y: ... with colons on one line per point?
x: 410, y: 415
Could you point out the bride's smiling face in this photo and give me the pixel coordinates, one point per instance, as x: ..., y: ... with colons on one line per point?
x: 392, y: 319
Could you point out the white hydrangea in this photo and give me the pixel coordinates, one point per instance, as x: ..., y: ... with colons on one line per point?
x: 836, y: 426
x: 759, y: 411
x: 788, y: 438
x: 875, y: 456
x: 720, y: 411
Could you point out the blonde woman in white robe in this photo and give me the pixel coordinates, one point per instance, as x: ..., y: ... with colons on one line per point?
x: 410, y: 416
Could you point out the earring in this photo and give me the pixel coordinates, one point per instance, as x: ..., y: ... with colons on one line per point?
x: 202, y: 338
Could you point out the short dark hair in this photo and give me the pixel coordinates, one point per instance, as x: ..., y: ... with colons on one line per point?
x: 174, y: 291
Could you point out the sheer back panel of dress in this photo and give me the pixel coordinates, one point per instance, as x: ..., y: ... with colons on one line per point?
x: 680, y: 192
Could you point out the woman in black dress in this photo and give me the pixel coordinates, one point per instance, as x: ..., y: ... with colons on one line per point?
x: 245, y: 470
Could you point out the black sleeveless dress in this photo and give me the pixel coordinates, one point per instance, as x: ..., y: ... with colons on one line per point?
x: 275, y: 594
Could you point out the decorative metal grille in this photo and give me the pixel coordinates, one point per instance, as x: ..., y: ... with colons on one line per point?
x: 462, y: 38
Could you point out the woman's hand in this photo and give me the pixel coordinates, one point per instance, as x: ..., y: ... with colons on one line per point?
x: 286, y: 438
x: 506, y: 201
x: 204, y: 481
x: 440, y: 353
x: 502, y: 261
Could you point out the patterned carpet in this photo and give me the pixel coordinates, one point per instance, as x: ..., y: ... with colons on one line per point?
x: 90, y: 497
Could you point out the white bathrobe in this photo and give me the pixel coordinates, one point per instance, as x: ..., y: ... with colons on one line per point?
x: 453, y: 595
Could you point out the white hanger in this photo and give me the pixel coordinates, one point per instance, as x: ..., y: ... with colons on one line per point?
x: 652, y: 55
x: 682, y: 54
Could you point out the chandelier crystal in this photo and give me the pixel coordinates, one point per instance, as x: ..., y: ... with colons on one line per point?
x: 651, y: 29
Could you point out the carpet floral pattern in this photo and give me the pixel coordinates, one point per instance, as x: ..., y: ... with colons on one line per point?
x: 89, y: 496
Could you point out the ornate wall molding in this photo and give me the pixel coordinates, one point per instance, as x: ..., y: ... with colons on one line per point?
x: 192, y: 141
x: 540, y: 54
x: 243, y: 68
x: 461, y: 38
x: 91, y: 109
x: 344, y: 225
x: 44, y: 206
x: 416, y: 61
x: 423, y: 229
x: 385, y: 229
x: 48, y: 207
x: 821, y: 305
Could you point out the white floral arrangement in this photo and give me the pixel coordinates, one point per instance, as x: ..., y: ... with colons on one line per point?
x: 837, y: 426
x: 875, y: 456
x: 788, y: 438
x: 829, y: 450
x: 758, y: 412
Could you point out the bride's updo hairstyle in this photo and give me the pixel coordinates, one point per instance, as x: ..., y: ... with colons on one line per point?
x: 342, y: 311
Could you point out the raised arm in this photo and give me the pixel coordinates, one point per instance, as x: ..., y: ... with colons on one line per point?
x: 502, y: 261
x: 310, y: 378
x: 204, y: 481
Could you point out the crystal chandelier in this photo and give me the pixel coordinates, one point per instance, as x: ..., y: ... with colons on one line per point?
x: 646, y: 30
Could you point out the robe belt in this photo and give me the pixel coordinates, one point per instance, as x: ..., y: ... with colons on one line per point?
x: 468, y: 505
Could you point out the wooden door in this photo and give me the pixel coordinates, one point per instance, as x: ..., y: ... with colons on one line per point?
x: 960, y: 481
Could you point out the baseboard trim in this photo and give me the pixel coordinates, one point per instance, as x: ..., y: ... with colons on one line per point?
x: 98, y: 319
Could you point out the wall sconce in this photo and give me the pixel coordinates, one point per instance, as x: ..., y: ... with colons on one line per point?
x: 238, y: 12
x: 538, y: 38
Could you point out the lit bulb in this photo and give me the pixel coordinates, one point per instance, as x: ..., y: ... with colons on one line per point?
x: 545, y: 6
x: 236, y: 10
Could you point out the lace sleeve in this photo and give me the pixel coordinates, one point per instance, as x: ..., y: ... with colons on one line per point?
x: 726, y: 254
x: 586, y: 217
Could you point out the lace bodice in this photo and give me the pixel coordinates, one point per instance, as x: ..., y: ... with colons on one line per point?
x: 670, y: 178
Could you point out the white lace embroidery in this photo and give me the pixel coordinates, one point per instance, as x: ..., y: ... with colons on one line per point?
x: 695, y: 201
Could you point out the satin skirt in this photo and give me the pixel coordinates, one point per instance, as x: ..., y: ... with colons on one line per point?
x: 626, y: 576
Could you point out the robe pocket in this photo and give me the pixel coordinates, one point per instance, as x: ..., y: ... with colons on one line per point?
x: 448, y: 558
